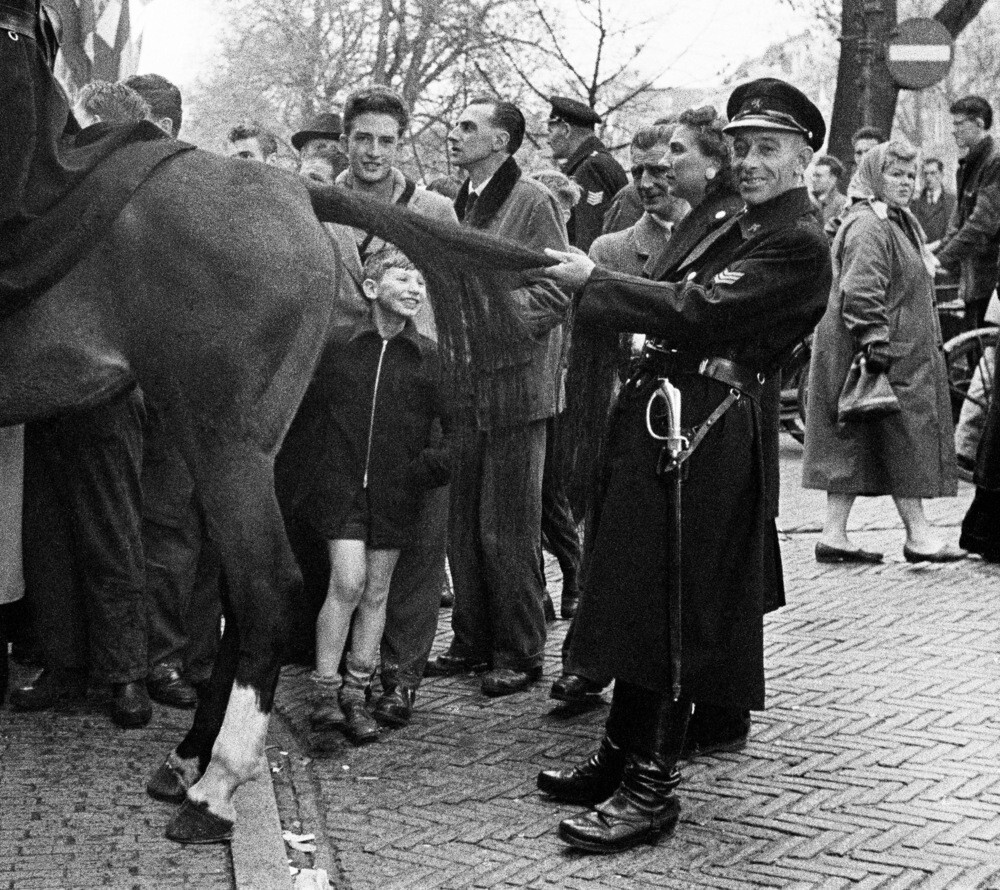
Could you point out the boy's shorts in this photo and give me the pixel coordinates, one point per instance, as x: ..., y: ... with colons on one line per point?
x: 358, y: 521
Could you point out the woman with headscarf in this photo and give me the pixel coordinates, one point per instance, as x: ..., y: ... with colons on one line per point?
x: 881, y: 307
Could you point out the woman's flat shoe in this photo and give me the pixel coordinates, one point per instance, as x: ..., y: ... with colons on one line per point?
x: 826, y: 553
x: 946, y: 553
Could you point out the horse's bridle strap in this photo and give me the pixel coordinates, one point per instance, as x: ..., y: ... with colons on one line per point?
x: 20, y: 21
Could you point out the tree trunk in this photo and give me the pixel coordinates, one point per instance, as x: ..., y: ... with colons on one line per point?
x: 866, y: 94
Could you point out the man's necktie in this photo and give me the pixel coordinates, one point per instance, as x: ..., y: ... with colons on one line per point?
x: 470, y: 202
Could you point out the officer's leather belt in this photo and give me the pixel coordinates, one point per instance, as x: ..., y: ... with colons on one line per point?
x: 18, y: 20
x: 668, y: 362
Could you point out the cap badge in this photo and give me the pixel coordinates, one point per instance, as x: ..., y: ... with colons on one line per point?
x: 756, y: 105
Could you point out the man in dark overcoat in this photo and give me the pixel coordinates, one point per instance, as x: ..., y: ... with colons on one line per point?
x: 588, y: 162
x: 722, y: 320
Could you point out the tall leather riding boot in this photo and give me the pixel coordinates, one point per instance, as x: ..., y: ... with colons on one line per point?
x: 643, y: 806
x: 590, y: 782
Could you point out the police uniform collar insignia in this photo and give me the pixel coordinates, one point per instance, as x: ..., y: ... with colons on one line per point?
x: 727, y: 277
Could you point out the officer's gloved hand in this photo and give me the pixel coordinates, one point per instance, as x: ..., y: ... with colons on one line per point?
x: 877, y: 358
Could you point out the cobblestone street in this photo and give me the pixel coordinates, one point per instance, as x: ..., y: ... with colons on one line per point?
x: 876, y: 763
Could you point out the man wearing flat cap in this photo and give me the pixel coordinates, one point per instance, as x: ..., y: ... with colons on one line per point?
x: 727, y: 309
x: 587, y: 161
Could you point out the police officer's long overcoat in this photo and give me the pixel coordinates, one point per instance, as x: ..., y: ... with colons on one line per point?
x: 751, y: 289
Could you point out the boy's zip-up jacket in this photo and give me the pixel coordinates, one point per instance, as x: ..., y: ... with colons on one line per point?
x: 367, y: 424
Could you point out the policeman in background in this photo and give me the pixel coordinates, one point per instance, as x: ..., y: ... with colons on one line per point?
x: 587, y: 161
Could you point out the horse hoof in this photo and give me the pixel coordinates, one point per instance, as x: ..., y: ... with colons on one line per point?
x: 194, y: 824
x: 167, y: 784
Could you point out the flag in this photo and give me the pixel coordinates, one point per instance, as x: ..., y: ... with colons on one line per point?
x: 101, y: 39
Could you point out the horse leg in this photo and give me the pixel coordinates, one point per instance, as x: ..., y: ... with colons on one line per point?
x: 236, y: 487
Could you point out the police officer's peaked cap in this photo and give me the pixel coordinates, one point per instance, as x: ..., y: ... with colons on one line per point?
x: 573, y: 112
x: 324, y: 126
x: 772, y: 104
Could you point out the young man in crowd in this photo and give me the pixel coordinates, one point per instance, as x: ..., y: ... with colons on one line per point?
x: 971, y: 245
x: 824, y: 179
x: 934, y: 205
x: 375, y: 119
x: 252, y: 142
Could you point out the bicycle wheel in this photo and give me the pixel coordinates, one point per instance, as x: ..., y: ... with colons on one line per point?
x: 971, y: 362
x: 794, y: 391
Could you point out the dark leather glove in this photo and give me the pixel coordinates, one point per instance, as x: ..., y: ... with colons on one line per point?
x: 877, y: 358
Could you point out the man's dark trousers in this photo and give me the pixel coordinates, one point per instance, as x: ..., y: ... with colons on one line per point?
x: 182, y: 565
x: 559, y: 534
x: 494, y: 548
x: 415, y: 596
x: 182, y: 594
x: 83, y: 548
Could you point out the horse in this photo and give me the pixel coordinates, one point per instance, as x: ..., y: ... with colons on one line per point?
x: 211, y: 290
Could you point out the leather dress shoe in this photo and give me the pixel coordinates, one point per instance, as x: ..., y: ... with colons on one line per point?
x: 826, y: 553
x: 447, y: 665
x: 505, y: 681
x: 130, y: 704
x: 641, y: 810
x: 168, y: 687
x: 45, y: 691
x: 574, y: 688
x: 193, y: 823
x: 395, y: 706
x: 945, y: 553
x: 590, y: 782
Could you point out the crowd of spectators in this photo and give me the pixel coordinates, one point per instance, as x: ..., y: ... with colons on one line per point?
x: 386, y: 495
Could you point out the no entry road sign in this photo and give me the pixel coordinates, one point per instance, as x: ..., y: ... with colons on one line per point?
x: 919, y: 53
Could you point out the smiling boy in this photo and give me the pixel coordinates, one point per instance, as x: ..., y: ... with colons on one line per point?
x: 363, y: 438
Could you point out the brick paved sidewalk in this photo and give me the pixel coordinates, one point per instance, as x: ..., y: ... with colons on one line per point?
x: 74, y: 814
x: 876, y: 764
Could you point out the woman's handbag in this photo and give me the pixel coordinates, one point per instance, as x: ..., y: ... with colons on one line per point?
x: 865, y: 396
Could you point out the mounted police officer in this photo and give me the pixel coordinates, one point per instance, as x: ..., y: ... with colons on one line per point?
x: 729, y: 306
x: 587, y: 161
